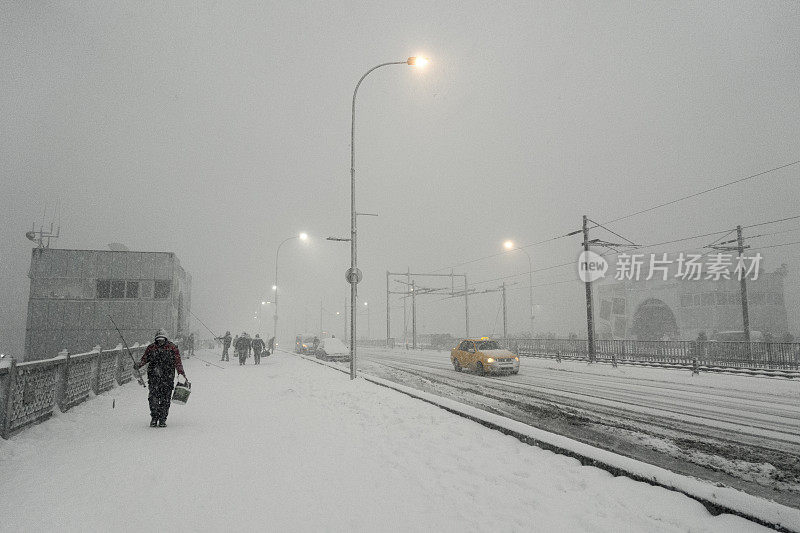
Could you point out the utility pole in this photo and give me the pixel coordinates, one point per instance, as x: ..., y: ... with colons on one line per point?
x: 743, y: 286
x: 388, y: 315
x: 589, y: 307
x: 740, y: 247
x: 405, y: 312
x: 413, y: 316
x: 345, y: 320
x: 466, y: 307
x: 505, y: 326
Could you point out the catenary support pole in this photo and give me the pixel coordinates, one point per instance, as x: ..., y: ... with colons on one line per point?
x: 466, y: 307
x: 413, y: 316
x: 743, y: 288
x: 388, y: 313
x: 505, y: 316
x: 589, y: 309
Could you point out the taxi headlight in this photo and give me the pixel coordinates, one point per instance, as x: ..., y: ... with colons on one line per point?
x: 490, y: 360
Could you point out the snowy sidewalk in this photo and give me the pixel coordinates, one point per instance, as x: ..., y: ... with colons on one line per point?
x: 294, y: 446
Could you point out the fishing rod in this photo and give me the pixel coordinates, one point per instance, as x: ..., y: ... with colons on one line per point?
x: 135, y: 370
x: 204, y: 324
x: 215, y: 337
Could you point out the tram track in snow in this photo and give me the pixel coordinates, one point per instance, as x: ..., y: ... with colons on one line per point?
x: 723, y: 416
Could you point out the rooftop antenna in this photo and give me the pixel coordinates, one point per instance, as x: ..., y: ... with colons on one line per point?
x: 42, y: 237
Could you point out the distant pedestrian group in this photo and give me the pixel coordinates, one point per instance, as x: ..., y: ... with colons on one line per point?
x: 244, y: 346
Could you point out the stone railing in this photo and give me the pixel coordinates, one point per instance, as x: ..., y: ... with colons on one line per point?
x: 29, y: 392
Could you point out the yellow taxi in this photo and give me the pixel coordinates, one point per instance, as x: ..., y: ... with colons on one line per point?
x: 484, y: 356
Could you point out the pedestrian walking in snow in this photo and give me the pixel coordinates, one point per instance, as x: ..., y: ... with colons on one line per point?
x: 190, y: 345
x: 271, y: 346
x: 226, y: 343
x: 258, y: 349
x: 162, y: 359
x: 242, y: 346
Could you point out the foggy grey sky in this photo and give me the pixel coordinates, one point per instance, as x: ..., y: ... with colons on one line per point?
x: 216, y: 130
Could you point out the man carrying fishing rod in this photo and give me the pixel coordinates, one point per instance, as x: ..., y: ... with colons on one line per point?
x: 164, y: 359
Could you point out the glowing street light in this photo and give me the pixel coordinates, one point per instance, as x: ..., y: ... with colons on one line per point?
x: 303, y: 237
x: 509, y: 245
x: 415, y: 61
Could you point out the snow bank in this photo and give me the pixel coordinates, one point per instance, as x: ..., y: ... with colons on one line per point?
x: 292, y: 446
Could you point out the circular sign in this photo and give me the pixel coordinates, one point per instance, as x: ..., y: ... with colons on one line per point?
x: 353, y: 275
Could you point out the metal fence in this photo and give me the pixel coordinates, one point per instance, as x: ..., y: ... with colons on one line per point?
x: 29, y: 392
x: 758, y: 355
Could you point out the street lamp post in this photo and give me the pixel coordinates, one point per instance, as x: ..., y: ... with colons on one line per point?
x: 413, y: 61
x: 368, y: 333
x: 509, y: 245
x: 302, y: 237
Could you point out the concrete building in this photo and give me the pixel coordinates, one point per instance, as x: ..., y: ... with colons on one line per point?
x: 680, y: 310
x: 74, y: 291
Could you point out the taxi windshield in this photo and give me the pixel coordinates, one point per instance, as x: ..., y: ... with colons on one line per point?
x: 488, y: 345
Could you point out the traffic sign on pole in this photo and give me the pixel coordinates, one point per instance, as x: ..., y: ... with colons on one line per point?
x: 353, y: 275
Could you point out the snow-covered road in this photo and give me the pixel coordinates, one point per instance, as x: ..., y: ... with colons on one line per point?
x: 741, y: 431
x: 294, y: 446
x: 725, y: 403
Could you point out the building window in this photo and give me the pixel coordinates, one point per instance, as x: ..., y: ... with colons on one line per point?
x: 117, y: 288
x: 103, y: 288
x: 132, y: 289
x: 162, y: 289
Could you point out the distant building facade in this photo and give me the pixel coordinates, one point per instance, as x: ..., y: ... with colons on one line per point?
x: 73, y: 292
x: 678, y: 309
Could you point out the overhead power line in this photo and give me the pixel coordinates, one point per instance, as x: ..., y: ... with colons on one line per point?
x: 774, y: 233
x: 504, y: 252
x: 771, y: 222
x: 775, y: 245
x: 734, y: 182
x: 653, y: 208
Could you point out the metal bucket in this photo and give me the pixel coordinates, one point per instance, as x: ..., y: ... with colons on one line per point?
x: 181, y: 393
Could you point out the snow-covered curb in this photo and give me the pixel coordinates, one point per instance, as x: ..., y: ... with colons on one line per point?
x: 716, y: 499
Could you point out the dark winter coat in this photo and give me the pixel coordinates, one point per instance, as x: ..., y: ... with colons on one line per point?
x: 162, y: 362
x: 242, y: 344
x: 258, y: 345
x: 226, y: 341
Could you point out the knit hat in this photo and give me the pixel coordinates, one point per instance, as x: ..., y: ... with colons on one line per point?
x: 161, y: 333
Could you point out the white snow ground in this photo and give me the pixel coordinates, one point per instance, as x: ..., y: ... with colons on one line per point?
x: 294, y: 446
